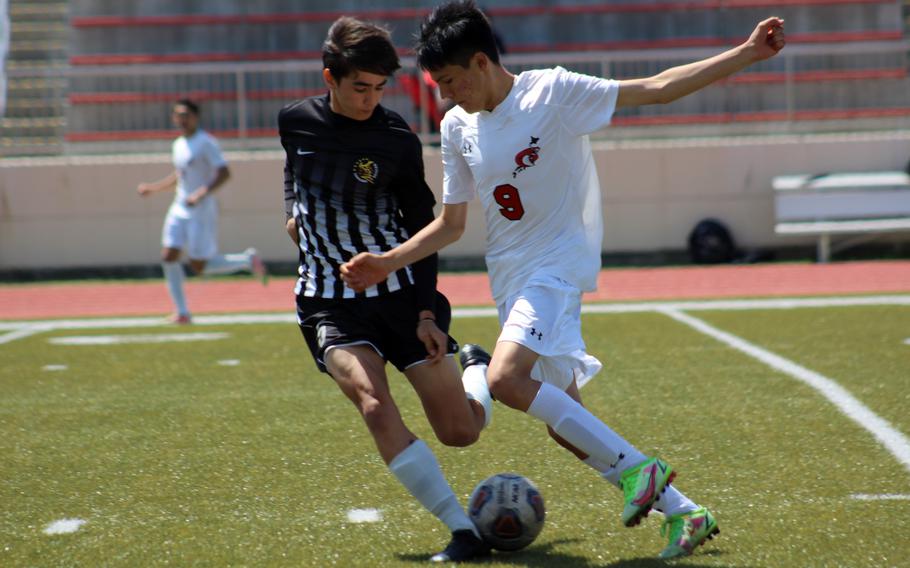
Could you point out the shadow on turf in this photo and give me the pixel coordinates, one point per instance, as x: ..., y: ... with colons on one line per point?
x: 543, y: 555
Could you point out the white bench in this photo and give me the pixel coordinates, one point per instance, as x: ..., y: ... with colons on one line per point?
x: 865, y: 204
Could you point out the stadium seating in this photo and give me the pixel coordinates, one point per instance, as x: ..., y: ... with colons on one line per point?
x: 177, y: 34
x: 34, y: 115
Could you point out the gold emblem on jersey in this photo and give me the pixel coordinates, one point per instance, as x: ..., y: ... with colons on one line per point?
x: 366, y: 171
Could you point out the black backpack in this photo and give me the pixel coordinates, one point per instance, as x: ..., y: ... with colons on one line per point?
x: 710, y: 242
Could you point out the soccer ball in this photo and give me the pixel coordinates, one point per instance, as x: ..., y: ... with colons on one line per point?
x: 508, y: 511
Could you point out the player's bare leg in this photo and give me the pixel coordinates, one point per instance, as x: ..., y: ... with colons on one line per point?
x: 456, y: 420
x: 360, y: 373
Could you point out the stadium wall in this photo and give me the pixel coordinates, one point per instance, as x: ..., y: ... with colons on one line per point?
x: 84, y: 211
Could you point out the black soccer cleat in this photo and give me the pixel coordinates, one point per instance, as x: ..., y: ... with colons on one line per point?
x: 471, y: 354
x: 464, y: 547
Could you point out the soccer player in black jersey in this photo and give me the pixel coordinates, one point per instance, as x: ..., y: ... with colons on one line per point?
x: 354, y: 182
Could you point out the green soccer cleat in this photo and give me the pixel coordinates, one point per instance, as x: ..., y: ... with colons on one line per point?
x: 641, y: 486
x: 687, y: 531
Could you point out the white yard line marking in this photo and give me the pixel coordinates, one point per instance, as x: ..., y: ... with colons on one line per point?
x: 229, y: 362
x: 21, y: 333
x: 146, y: 338
x: 907, y: 341
x: 54, y: 368
x: 20, y: 329
x: 64, y: 526
x: 364, y: 515
x: 881, y: 497
x: 893, y: 440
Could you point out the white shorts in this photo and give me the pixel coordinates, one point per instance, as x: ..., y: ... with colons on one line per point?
x: 545, y: 317
x: 197, y: 235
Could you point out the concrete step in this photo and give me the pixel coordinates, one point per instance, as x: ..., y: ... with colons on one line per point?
x: 33, y: 108
x: 36, y: 64
x: 35, y: 84
x: 39, y: 31
x: 41, y: 123
x: 36, y: 8
x: 38, y: 49
x: 31, y: 146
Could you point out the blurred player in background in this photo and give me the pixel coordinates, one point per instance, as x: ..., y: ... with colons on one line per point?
x: 192, y: 220
x: 354, y: 182
x: 521, y: 144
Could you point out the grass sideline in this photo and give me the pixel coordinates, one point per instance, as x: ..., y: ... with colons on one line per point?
x: 174, y: 459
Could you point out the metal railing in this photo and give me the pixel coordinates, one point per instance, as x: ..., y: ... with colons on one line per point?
x: 126, y: 108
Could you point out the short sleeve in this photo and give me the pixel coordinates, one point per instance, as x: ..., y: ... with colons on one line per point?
x: 457, y: 180
x: 587, y: 103
x: 213, y: 153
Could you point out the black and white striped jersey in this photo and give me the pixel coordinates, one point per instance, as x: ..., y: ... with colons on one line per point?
x: 354, y: 186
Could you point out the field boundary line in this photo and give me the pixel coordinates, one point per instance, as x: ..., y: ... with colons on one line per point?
x: 21, y: 329
x: 892, y: 439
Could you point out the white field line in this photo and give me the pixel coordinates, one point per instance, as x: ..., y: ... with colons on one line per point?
x: 26, y: 328
x: 364, y: 515
x: 20, y: 333
x: 893, y: 440
x: 880, y: 497
x: 139, y: 338
x: 64, y: 526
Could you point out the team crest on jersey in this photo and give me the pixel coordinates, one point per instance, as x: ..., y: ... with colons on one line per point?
x: 366, y: 170
x: 527, y: 157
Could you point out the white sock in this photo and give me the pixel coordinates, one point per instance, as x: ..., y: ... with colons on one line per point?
x: 670, y: 502
x: 417, y: 469
x: 673, y: 502
x: 174, y: 276
x: 229, y: 263
x: 582, y: 429
x: 474, y: 380
x: 609, y: 473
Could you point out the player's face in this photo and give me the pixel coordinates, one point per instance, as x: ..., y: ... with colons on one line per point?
x: 465, y: 86
x: 357, y: 95
x: 185, y: 119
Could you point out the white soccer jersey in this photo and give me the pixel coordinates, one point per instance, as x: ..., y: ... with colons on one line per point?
x: 530, y: 162
x: 196, y: 160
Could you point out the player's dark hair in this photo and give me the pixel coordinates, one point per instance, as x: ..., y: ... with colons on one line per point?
x: 352, y: 45
x: 189, y: 104
x: 452, y: 34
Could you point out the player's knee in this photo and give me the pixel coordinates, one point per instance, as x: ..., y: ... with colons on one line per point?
x: 374, y: 413
x: 458, y: 435
x: 503, y: 387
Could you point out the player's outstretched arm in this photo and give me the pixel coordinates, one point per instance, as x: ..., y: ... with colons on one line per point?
x: 765, y: 42
x: 368, y: 269
x: 165, y: 183
x: 221, y: 176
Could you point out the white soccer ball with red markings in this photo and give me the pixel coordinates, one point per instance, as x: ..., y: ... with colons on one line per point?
x: 508, y: 510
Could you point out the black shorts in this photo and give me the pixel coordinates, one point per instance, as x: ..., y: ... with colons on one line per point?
x: 387, y: 323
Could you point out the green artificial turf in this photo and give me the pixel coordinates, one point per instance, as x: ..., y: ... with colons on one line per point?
x: 173, y: 459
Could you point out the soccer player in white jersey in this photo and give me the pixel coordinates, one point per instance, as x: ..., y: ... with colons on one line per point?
x: 520, y: 143
x: 192, y: 220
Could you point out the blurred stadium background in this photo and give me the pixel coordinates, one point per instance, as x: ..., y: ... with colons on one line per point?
x: 90, y: 83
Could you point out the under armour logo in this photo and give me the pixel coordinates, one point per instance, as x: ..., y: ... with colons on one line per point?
x: 466, y: 148
x: 537, y: 334
x: 619, y: 458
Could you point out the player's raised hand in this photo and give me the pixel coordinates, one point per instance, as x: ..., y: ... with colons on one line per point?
x: 364, y: 270
x: 144, y: 189
x: 767, y: 39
